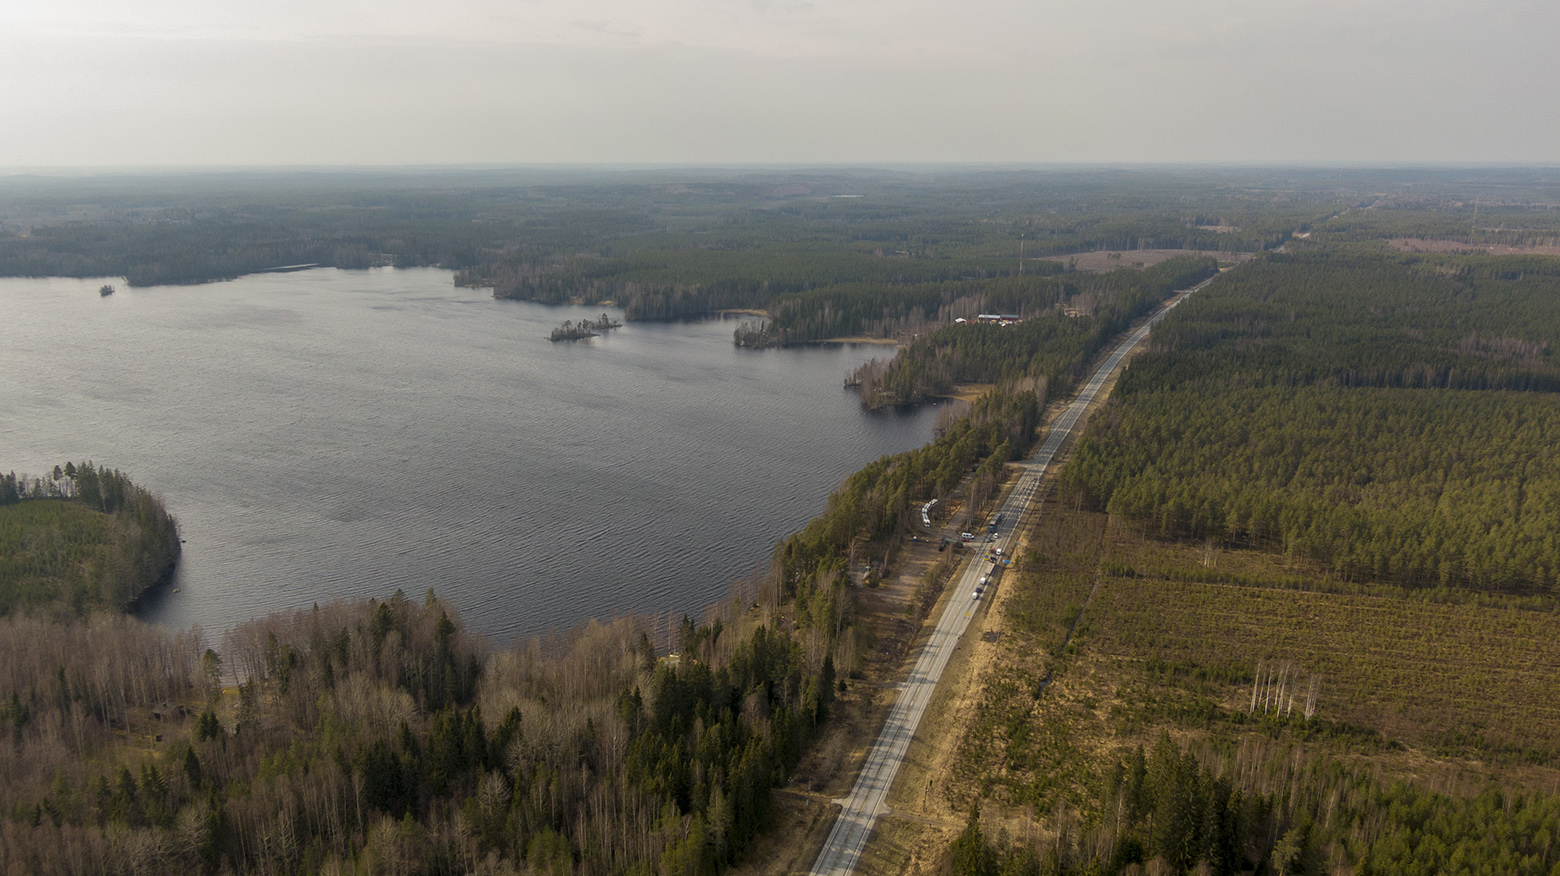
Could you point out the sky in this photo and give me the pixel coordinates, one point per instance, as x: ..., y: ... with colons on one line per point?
x: 159, y: 83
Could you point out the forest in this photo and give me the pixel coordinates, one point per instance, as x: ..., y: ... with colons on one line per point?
x: 1292, y: 606
x: 1050, y: 348
x: 83, y: 538
x: 377, y: 736
x: 542, y: 233
x: 906, y: 251
x: 1390, y: 418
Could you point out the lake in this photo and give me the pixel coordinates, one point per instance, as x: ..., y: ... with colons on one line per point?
x: 329, y: 434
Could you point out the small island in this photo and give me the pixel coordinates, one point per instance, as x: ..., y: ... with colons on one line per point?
x: 585, y: 328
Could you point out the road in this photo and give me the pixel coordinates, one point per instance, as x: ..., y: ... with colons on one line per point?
x: 859, y: 812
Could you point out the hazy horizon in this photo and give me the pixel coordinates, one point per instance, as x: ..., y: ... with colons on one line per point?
x: 185, y: 84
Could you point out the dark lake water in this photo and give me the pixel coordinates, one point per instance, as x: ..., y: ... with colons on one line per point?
x: 333, y: 433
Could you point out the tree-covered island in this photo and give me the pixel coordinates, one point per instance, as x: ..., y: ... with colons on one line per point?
x: 585, y: 328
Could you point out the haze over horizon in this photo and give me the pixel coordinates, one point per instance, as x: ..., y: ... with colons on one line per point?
x: 171, y: 83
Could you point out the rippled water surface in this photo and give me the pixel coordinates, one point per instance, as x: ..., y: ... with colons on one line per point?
x: 346, y: 433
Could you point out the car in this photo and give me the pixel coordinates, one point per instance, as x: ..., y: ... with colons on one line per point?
x: 976, y: 594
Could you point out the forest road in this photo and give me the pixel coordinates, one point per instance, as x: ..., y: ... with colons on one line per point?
x: 860, y: 810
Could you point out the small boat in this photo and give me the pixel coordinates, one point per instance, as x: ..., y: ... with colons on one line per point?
x: 106, y: 290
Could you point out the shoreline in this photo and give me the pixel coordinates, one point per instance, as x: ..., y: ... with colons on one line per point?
x: 858, y: 339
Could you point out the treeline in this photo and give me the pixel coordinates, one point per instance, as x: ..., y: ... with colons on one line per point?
x: 669, y: 243
x: 1421, y: 488
x: 855, y: 309
x: 1286, y: 813
x: 815, y: 291
x: 1464, y: 221
x: 866, y: 514
x: 1353, y: 319
x: 199, y: 228
x: 84, y: 537
x: 204, y: 245
x: 794, y: 281
x: 1048, y: 345
x: 514, y: 229
x: 379, y: 737
x: 1303, y: 406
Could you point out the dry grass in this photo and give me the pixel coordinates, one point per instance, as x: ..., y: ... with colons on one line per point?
x: 902, y: 845
x: 798, y: 828
x: 1446, y: 676
x: 1463, y: 675
x: 1460, y: 694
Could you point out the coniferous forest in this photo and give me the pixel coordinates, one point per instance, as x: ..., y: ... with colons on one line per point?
x: 1320, y: 503
x: 1392, y: 418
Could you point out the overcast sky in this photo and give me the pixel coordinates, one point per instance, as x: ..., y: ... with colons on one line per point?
x: 200, y: 82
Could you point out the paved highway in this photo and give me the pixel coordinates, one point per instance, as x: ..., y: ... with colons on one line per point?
x: 859, y: 811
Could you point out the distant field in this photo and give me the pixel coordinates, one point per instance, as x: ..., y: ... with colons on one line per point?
x: 1419, y: 244
x: 1100, y: 261
x: 1455, y: 678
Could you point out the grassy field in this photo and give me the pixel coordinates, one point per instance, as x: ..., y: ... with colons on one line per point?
x: 1462, y: 679
x: 1175, y: 638
x: 1008, y: 748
